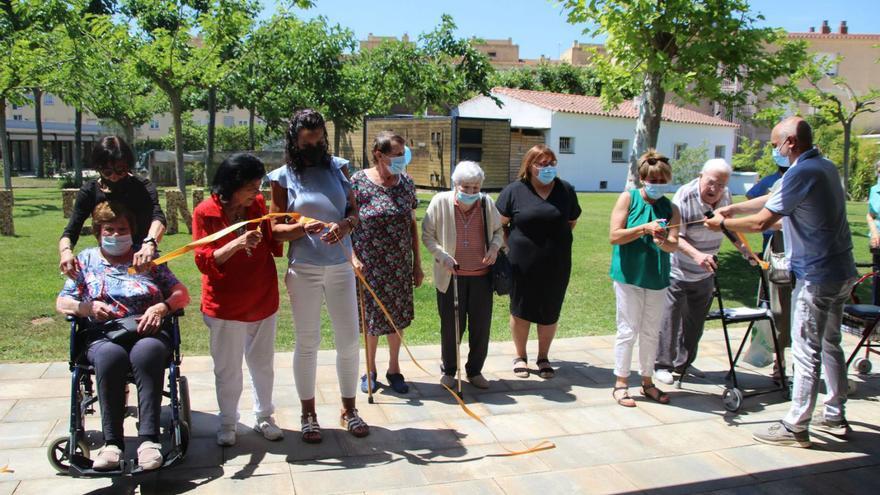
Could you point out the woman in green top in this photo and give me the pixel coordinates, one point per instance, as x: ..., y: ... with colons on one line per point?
x: 640, y: 270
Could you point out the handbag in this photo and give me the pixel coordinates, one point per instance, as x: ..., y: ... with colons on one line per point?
x: 122, y: 331
x: 779, y: 272
x: 501, y: 270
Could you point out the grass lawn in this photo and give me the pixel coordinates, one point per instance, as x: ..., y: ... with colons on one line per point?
x: 30, y: 330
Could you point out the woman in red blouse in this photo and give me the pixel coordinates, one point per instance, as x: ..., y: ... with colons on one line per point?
x: 239, y: 292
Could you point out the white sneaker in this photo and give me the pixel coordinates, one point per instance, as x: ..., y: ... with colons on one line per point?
x: 664, y: 376
x: 107, y: 458
x: 150, y: 456
x: 226, y: 436
x: 266, y: 425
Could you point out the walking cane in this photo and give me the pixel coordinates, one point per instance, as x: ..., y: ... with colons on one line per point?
x: 457, y: 327
x: 366, y: 342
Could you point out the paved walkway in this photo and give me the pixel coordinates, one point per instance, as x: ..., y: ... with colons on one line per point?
x: 423, y: 443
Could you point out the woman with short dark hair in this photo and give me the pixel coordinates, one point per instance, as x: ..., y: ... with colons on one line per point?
x: 315, y: 184
x: 239, y: 292
x: 386, y: 248
x: 113, y: 160
x: 103, y: 293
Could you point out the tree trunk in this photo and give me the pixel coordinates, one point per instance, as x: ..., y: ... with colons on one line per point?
x: 4, y: 148
x: 252, y: 139
x: 129, y: 136
x: 77, y: 146
x: 847, y: 137
x: 176, y: 113
x: 212, y: 124
x: 647, y: 125
x: 38, y: 120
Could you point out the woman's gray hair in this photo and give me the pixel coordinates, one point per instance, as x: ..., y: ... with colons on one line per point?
x: 467, y: 171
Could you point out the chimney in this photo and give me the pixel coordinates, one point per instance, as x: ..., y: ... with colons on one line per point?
x: 826, y: 29
x: 812, y: 29
x: 843, y: 28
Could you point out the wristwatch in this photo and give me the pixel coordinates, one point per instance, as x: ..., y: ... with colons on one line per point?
x: 151, y: 240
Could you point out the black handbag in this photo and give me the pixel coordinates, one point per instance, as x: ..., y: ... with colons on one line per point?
x: 122, y: 331
x: 501, y: 270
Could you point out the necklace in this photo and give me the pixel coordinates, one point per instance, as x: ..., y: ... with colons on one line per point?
x: 466, y: 219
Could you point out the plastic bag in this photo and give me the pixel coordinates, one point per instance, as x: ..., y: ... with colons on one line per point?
x: 760, y: 352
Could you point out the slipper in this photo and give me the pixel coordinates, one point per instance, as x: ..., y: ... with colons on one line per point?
x: 521, y: 371
x: 657, y: 395
x: 625, y: 400
x: 372, y: 381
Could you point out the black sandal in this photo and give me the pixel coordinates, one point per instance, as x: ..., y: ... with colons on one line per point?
x: 624, y: 397
x: 546, y: 372
x: 521, y: 371
x: 311, y: 431
x: 660, y: 396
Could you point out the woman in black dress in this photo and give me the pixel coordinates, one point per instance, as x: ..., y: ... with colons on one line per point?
x: 539, y: 212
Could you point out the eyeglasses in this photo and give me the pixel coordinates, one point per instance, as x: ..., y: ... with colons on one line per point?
x: 653, y: 161
x: 114, y: 169
x: 545, y: 164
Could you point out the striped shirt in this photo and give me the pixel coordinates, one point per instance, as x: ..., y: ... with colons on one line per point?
x: 470, y: 241
x: 692, y: 208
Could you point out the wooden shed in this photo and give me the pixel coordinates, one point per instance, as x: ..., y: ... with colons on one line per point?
x: 437, y: 144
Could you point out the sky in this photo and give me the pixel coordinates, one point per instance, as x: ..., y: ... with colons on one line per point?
x: 539, y: 27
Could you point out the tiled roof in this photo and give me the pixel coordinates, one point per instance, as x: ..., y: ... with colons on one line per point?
x: 592, y: 105
x: 834, y: 36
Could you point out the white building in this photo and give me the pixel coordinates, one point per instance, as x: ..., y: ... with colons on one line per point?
x: 592, y: 144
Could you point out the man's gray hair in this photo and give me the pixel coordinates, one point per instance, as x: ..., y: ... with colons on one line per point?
x: 718, y: 165
x: 467, y: 171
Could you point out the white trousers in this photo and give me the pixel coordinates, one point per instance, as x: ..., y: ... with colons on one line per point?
x: 255, y: 341
x: 815, y: 347
x: 639, y: 317
x: 309, y: 286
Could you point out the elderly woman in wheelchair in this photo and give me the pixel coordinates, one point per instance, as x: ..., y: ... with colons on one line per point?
x: 121, y: 330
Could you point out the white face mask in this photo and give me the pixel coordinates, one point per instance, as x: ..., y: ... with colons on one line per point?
x: 116, y: 245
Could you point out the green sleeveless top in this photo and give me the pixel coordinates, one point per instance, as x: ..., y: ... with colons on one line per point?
x: 641, y: 262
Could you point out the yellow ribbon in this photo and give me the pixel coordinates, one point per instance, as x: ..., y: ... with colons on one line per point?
x: 763, y: 264
x: 543, y: 445
x: 219, y: 235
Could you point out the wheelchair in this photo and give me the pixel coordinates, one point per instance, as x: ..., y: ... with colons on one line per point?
x: 69, y: 454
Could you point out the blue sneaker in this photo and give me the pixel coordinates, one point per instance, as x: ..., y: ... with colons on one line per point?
x: 397, y: 382
x: 372, y: 382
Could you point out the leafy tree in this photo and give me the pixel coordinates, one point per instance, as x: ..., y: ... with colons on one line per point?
x: 689, y: 163
x: 433, y: 74
x: 558, y: 78
x: 834, y: 99
x: 698, y: 50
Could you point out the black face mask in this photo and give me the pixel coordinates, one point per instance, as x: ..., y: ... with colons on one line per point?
x: 313, y: 154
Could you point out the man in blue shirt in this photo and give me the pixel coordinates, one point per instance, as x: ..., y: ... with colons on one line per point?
x: 811, y: 203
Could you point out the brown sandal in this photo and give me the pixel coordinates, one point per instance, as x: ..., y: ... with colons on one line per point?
x: 625, y: 400
x: 657, y: 395
x: 351, y: 421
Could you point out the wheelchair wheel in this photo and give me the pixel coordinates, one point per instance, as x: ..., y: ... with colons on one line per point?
x: 851, y: 386
x: 732, y: 398
x: 862, y: 366
x: 183, y: 398
x: 184, y: 438
x: 58, y: 454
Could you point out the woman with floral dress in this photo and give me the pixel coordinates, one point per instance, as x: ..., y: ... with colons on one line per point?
x: 386, y: 249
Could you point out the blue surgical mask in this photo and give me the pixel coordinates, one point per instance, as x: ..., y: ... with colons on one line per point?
x: 547, y: 174
x: 655, y: 191
x: 397, y: 164
x: 467, y: 199
x: 781, y: 161
x: 116, y: 245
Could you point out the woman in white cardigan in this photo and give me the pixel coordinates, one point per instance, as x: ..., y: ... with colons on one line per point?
x: 455, y: 232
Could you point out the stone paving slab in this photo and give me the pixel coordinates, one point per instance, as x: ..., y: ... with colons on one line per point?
x: 423, y: 443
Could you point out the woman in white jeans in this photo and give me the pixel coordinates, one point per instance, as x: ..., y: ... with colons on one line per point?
x: 640, y: 271
x: 239, y: 292
x: 315, y: 184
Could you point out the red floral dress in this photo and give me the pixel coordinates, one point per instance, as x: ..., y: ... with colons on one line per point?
x: 383, y: 242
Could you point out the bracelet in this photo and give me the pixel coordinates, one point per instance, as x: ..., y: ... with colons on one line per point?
x: 722, y: 224
x: 168, y: 306
x: 350, y: 223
